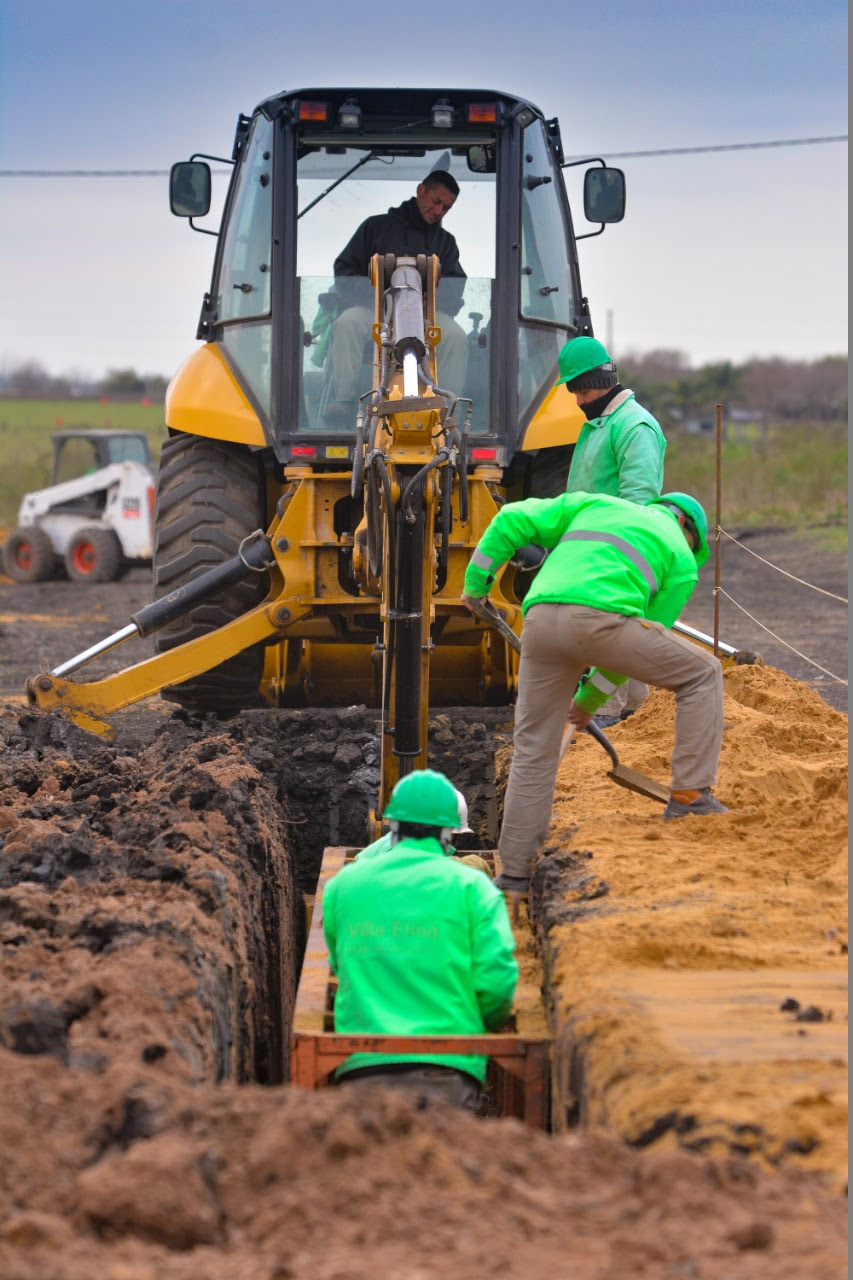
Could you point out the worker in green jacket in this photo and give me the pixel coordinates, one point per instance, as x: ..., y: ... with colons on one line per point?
x: 620, y: 449
x: 617, y: 578
x: 619, y: 452
x: 422, y: 945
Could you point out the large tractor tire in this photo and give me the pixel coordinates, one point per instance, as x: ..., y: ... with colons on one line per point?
x: 93, y: 555
x: 28, y: 555
x: 210, y: 496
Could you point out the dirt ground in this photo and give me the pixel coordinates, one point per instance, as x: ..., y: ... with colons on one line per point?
x: 150, y: 916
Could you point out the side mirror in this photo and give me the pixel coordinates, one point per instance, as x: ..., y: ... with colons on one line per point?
x: 604, y: 195
x: 481, y: 159
x: 190, y: 189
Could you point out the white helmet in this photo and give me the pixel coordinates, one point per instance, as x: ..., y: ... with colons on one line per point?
x: 463, y: 828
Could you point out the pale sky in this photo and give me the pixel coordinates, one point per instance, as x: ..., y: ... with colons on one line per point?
x: 722, y: 256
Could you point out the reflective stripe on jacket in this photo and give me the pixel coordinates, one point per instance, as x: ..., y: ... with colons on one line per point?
x: 422, y: 945
x: 606, y: 554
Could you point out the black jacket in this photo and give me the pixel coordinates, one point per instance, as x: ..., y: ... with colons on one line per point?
x: 403, y: 232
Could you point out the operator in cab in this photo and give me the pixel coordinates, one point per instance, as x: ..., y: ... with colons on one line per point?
x: 412, y: 228
x: 422, y: 945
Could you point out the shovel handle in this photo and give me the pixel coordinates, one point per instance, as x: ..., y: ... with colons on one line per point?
x: 603, y: 741
x: 568, y: 737
x: 486, y: 610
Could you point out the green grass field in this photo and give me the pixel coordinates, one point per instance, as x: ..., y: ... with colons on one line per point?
x: 798, y: 476
x: 26, y: 449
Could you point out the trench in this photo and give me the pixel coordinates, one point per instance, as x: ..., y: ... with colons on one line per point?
x: 184, y: 854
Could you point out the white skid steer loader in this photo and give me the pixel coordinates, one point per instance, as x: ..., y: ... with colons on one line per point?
x: 95, y: 524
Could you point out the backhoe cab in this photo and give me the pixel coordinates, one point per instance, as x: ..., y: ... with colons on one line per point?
x: 339, y: 443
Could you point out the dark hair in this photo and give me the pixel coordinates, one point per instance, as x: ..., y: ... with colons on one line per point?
x: 417, y: 830
x: 441, y: 178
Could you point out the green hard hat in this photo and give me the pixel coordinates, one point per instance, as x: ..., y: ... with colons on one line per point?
x: 696, y: 514
x: 581, y: 356
x: 424, y: 796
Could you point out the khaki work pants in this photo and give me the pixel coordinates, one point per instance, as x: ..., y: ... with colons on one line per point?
x: 351, y: 331
x: 558, y: 642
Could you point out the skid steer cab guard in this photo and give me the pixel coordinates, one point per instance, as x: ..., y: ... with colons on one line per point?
x: 376, y: 378
x: 96, y: 517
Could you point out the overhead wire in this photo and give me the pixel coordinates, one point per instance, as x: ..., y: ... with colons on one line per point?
x: 612, y: 155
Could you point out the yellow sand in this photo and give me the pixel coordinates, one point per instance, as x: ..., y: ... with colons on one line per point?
x: 670, y: 983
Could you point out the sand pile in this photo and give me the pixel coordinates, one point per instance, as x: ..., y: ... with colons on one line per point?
x: 698, y: 967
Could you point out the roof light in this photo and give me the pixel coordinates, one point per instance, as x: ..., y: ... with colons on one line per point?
x: 524, y: 114
x: 442, y: 115
x: 349, y: 116
x: 316, y: 111
x: 482, y: 112
x: 483, y: 455
x: 303, y: 451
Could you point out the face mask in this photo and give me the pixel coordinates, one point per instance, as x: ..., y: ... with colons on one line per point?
x: 595, y: 408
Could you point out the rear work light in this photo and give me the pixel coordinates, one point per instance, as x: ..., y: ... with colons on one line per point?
x: 482, y: 112
x: 483, y: 455
x: 316, y: 111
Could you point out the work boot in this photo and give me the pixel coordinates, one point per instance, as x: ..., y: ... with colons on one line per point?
x: 682, y: 803
x: 511, y: 884
x: 606, y: 722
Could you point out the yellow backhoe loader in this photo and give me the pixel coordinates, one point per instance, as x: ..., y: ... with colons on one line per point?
x: 310, y: 545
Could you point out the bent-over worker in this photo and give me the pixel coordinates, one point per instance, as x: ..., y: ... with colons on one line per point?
x: 617, y: 578
x: 422, y: 945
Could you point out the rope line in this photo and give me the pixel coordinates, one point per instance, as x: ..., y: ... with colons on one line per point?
x: 792, y: 576
x: 779, y: 638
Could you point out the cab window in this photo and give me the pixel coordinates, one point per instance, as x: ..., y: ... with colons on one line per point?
x: 336, y: 314
x: 546, y: 298
x: 244, y: 284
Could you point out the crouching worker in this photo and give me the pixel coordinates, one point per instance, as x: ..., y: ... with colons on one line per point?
x: 421, y: 945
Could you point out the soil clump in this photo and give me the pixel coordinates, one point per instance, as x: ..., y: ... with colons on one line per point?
x: 151, y: 923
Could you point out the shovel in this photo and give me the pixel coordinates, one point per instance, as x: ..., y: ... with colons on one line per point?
x: 621, y: 774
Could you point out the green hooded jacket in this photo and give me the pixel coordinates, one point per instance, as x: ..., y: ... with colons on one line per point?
x: 620, y: 453
x: 422, y: 945
x: 606, y: 553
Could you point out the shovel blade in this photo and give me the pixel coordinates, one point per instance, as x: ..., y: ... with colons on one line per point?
x: 633, y: 780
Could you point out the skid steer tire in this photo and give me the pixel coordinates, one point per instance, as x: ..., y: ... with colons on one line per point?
x: 210, y: 496
x: 93, y: 555
x: 28, y: 555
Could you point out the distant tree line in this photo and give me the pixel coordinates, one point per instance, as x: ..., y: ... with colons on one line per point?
x: 30, y: 380
x: 762, y: 391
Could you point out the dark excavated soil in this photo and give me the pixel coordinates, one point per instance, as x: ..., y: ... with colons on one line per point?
x: 151, y: 922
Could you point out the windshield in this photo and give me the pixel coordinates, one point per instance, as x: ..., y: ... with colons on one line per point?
x: 406, y: 207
